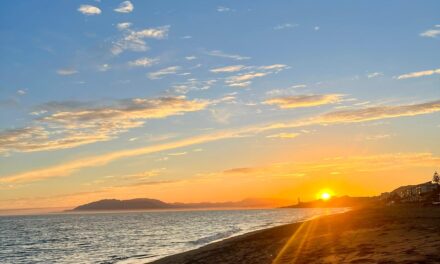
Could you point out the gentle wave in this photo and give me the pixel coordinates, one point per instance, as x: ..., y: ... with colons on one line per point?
x: 131, y: 237
x: 215, y: 237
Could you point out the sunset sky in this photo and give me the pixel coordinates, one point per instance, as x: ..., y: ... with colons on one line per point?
x: 195, y: 101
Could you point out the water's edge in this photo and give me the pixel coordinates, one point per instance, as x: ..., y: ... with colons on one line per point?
x: 245, y: 234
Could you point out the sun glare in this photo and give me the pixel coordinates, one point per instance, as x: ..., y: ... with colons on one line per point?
x: 325, y: 196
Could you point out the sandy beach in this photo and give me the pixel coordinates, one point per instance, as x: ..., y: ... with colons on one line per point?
x: 368, y: 235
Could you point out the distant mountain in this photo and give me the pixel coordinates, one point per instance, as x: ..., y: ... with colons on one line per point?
x: 148, y: 204
x: 133, y: 204
x: 334, y: 202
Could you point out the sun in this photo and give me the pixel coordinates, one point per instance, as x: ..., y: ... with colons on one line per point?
x: 325, y: 196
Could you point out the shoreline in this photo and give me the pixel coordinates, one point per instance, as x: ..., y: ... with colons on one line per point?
x: 361, y: 235
x: 237, y: 238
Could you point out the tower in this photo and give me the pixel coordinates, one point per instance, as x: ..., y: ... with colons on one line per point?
x: 436, y: 178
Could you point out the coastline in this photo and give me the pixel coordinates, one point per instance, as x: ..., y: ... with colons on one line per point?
x: 362, y: 235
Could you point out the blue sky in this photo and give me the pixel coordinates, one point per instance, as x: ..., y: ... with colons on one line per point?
x: 84, y: 79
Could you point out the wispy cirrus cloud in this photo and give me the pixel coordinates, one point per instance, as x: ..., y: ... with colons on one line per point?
x: 232, y: 68
x: 67, y: 71
x: 143, y: 62
x: 70, y: 124
x: 89, y: 10
x: 65, y: 169
x: 378, y: 137
x: 274, y: 67
x: 123, y: 25
x: 418, y: 74
x: 135, y: 40
x: 342, y: 165
x: 104, y: 67
x: 379, y: 112
x: 285, y: 26
x: 21, y: 92
x: 223, y: 9
x: 178, y: 153
x: 284, y: 135
x: 192, y: 84
x: 40, y: 138
x: 125, y: 7
x: 285, y: 91
x: 243, y: 80
x: 374, y: 75
x: 163, y: 72
x: 334, y: 117
x: 221, y: 54
x: 431, y: 33
x: 296, y: 101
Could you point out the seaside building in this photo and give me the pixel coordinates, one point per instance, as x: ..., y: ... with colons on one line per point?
x: 428, y: 192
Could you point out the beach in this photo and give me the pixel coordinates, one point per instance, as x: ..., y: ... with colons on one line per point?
x: 367, y: 235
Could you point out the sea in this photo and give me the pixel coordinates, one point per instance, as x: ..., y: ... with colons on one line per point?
x: 130, y: 237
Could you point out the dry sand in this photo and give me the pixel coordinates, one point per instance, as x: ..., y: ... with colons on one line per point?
x: 379, y: 235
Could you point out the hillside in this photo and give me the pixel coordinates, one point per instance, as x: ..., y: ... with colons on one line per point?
x: 149, y: 204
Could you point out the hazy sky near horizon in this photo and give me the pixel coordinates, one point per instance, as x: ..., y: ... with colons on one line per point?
x: 215, y: 100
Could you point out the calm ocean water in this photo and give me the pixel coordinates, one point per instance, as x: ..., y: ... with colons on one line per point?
x: 131, y: 237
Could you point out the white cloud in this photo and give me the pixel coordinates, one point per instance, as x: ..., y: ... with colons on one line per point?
x: 221, y: 54
x: 286, y: 91
x: 160, y: 73
x: 431, y: 33
x: 338, y: 117
x: 246, y: 77
x: 374, y: 74
x: 135, y: 40
x: 71, y: 124
x: 21, y: 92
x: 240, y: 84
x: 243, y: 80
x: 418, y: 74
x: 316, y: 28
x: 125, y: 7
x: 178, y: 154
x: 223, y: 9
x: 192, y: 85
x: 284, y: 135
x: 221, y: 115
x: 124, y: 25
x: 67, y: 71
x: 285, y: 26
x: 89, y: 10
x: 104, y: 67
x: 274, y: 67
x: 296, y: 101
x: 143, y: 62
x: 232, y: 68
x: 190, y: 58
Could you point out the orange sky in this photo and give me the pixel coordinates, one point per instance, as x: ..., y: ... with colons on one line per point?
x: 188, y: 102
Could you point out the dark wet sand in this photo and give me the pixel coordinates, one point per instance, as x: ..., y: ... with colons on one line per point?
x: 379, y: 235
